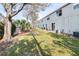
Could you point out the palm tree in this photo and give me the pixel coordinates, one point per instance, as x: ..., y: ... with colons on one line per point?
x: 22, y: 24
x: 28, y: 26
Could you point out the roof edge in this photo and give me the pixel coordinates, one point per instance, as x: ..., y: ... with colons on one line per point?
x: 56, y: 10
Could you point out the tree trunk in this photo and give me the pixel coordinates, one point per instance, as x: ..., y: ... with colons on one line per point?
x: 7, y: 29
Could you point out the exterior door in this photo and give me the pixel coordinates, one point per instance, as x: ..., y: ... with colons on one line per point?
x: 53, y: 26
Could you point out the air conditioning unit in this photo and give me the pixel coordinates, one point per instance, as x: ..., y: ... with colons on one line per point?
x: 76, y: 34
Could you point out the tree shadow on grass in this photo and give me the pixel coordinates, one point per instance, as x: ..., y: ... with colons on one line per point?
x: 69, y: 44
x: 66, y: 42
x: 55, y: 35
x: 26, y: 48
x: 44, y: 51
x: 72, y: 45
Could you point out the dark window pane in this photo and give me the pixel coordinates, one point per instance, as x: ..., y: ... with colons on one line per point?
x: 48, y: 18
x: 76, y: 6
x: 59, y: 12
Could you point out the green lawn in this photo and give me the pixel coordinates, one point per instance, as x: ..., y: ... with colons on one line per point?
x: 46, y: 43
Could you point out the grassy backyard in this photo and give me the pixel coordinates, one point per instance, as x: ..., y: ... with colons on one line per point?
x: 46, y: 43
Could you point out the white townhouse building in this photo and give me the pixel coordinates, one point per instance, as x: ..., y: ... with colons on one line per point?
x: 63, y: 20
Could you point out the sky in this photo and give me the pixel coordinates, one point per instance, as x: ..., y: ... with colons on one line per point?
x: 41, y: 14
x: 50, y: 9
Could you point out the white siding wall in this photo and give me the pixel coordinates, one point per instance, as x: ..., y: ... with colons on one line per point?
x: 69, y: 21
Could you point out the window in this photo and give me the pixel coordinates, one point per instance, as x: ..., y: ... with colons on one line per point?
x: 76, y: 6
x: 48, y: 18
x: 59, y: 12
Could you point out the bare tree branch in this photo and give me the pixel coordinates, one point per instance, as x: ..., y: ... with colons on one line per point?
x: 4, y: 4
x: 19, y: 10
x: 13, y: 4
